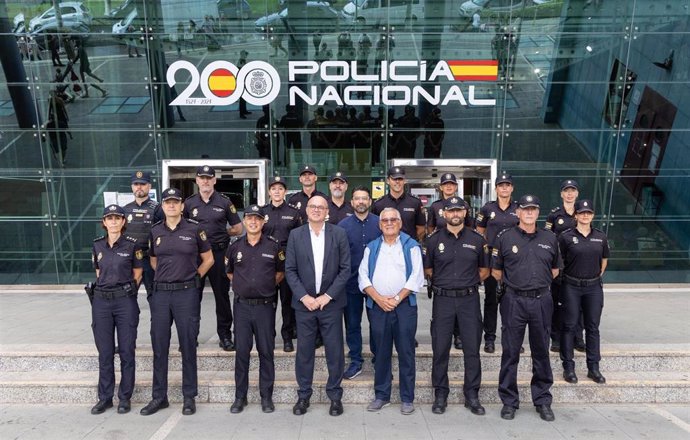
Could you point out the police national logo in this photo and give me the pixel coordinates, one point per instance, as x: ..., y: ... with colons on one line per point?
x: 202, y: 235
x: 139, y: 174
x: 139, y: 255
x: 515, y: 249
x: 223, y: 83
x: 195, y: 212
x: 100, y: 256
x: 158, y: 241
x: 281, y: 255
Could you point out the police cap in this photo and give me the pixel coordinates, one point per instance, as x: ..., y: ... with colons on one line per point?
x: 454, y: 203
x: 141, y: 177
x: 448, y: 177
x: 396, y: 173
x: 172, y: 193
x: 308, y: 169
x: 569, y: 183
x: 584, y: 205
x: 206, y: 171
x: 277, y: 180
x: 339, y: 176
x: 504, y: 178
x: 254, y: 210
x: 529, y: 201
x: 113, y: 210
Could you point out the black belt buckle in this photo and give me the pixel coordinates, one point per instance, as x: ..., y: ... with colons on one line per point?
x: 529, y: 293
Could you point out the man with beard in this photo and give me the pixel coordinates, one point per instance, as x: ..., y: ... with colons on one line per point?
x: 338, y: 208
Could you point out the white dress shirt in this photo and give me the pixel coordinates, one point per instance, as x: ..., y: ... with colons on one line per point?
x: 318, y: 248
x: 389, y: 277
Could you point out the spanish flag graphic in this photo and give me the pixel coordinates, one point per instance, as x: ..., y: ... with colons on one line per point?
x: 474, y: 70
x: 222, y: 83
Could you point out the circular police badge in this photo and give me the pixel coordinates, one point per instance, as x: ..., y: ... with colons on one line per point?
x: 440, y: 212
x: 239, y: 257
x: 100, y: 255
x: 195, y: 212
x: 139, y: 174
x: 575, y: 240
x: 139, y: 255
x: 202, y: 234
x: 261, y: 82
x: 492, y: 215
x: 486, y: 248
x: 299, y: 205
x: 561, y: 221
x: 441, y: 247
x: 281, y: 255
x: 158, y: 241
x: 206, y: 168
x: 232, y: 209
x: 129, y: 218
x: 515, y: 249
x: 266, y: 217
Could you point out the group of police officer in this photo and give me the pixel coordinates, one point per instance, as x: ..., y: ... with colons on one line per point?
x: 175, y: 246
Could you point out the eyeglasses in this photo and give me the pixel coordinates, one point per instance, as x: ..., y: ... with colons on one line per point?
x: 317, y: 207
x: 390, y: 220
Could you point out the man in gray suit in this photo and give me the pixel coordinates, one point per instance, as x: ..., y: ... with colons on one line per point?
x: 317, y: 267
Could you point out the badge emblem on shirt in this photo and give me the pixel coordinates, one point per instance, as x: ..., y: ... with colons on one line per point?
x: 202, y: 234
x: 441, y: 247
x: 515, y: 249
x: 232, y: 209
x: 561, y: 221
x: 129, y: 218
x: 440, y: 212
x: 239, y: 257
x: 266, y: 217
x: 281, y: 255
x: 195, y: 212
x: 100, y: 256
x: 492, y: 215
x: 575, y: 240
x: 486, y: 249
x: 227, y: 260
x: 158, y: 241
x: 139, y: 255
x: 299, y: 205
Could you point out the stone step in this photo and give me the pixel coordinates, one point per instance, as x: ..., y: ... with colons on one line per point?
x: 218, y: 387
x: 624, y: 358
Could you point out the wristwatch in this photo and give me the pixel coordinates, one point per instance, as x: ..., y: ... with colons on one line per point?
x: 397, y: 298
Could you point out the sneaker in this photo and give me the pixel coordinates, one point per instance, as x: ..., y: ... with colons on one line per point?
x: 378, y: 404
x: 407, y: 408
x: 352, y: 371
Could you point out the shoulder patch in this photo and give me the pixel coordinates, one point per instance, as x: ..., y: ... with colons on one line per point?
x: 270, y: 237
x: 223, y: 196
x: 99, y: 238
x: 132, y: 239
x: 556, y: 209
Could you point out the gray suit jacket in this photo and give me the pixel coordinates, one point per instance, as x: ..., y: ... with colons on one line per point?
x: 299, y: 265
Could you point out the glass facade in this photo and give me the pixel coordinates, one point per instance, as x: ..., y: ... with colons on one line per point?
x: 594, y: 90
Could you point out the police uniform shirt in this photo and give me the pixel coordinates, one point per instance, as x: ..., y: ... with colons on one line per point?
x: 253, y: 268
x: 559, y: 220
x: 494, y: 219
x: 115, y: 264
x: 526, y: 259
x: 140, y: 218
x: 213, y: 216
x: 336, y: 213
x: 455, y: 261
x: 582, y: 255
x: 436, y: 219
x: 299, y: 201
x: 410, y: 208
x: 280, y: 220
x: 177, y: 250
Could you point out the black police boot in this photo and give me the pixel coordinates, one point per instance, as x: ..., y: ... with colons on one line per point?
x: 457, y: 342
x: 545, y: 413
x: 238, y: 405
x: 439, y: 406
x: 489, y: 347
x: 300, y: 407
x: 319, y: 341
x: 154, y: 405
x: 555, y: 346
x: 226, y: 344
x: 267, y: 405
x: 569, y: 375
x: 475, y: 407
x: 124, y: 406
x: 101, y: 406
x: 508, y: 412
x: 189, y: 406
x: 336, y: 408
x: 580, y: 345
x: 288, y: 347
x: 596, y: 375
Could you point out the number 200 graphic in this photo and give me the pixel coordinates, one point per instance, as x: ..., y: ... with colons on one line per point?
x: 222, y: 83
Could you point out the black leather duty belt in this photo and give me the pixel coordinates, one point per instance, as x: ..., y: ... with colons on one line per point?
x: 219, y: 246
x: 255, y: 301
x: 191, y: 284
x: 581, y: 282
x: 537, y: 293
x: 455, y: 293
x: 114, y: 293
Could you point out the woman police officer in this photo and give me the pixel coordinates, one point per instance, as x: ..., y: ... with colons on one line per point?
x: 585, y: 252
x: 118, y: 263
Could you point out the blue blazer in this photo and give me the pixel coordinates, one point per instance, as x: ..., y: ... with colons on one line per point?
x: 299, y: 265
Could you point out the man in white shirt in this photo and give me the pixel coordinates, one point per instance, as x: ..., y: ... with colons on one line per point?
x: 390, y: 274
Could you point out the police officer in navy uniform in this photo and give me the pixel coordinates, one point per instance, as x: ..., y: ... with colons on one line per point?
x: 214, y: 211
x: 456, y: 260
x: 307, y: 177
x: 255, y: 264
x: 281, y: 218
x: 494, y: 217
x: 410, y: 207
x: 181, y: 255
x: 585, y: 253
x: 338, y: 207
x: 526, y: 259
x: 141, y: 214
x: 118, y: 262
x: 560, y: 219
x: 436, y: 221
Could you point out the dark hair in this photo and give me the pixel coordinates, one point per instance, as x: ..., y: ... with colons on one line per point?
x: 362, y: 188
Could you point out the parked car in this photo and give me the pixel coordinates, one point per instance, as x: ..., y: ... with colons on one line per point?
x: 233, y: 9
x: 75, y: 16
x: 319, y: 15
x: 120, y: 28
x: 379, y: 12
x: 468, y: 8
